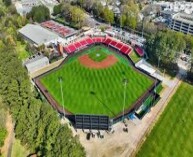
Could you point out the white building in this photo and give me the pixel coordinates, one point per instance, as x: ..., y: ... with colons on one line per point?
x: 36, y: 63
x: 177, y: 6
x: 182, y: 22
x: 24, y: 6
x: 37, y: 35
x: 66, y: 34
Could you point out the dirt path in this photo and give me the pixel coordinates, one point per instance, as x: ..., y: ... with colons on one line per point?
x: 6, y: 149
x: 124, y: 144
x: 88, y: 62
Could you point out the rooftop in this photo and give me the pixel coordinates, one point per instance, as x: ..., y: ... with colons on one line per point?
x: 36, y: 63
x: 186, y: 18
x: 38, y: 34
x: 58, y: 28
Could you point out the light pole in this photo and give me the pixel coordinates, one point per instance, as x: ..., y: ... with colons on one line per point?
x: 156, y: 77
x: 143, y: 25
x: 125, y: 81
x: 62, y: 95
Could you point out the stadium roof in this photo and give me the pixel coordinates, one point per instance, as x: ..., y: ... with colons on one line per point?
x: 38, y: 34
x: 142, y: 64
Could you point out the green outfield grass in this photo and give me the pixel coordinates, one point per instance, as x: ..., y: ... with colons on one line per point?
x: 172, y: 135
x: 96, y: 91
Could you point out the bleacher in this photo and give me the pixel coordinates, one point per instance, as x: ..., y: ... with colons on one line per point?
x: 83, y: 43
x: 77, y: 44
x: 58, y: 28
x: 113, y: 43
x: 125, y: 49
x: 139, y: 51
x: 70, y: 48
x: 89, y: 41
x: 98, y: 39
x: 119, y: 45
x: 107, y: 41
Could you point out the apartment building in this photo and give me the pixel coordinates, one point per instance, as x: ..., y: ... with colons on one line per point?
x: 182, y: 22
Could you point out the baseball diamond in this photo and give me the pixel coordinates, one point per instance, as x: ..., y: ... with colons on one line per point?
x: 92, y: 82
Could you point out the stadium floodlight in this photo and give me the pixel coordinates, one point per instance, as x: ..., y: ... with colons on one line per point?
x: 60, y: 79
x: 125, y: 82
x: 143, y: 25
x: 156, y: 77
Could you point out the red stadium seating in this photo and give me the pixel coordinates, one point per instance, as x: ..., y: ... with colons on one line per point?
x: 71, y: 48
x: 107, y: 41
x: 119, y: 45
x: 66, y: 49
x: 83, y: 42
x: 89, y: 41
x: 98, y: 39
x: 113, y: 43
x: 77, y: 45
x: 139, y: 51
x: 123, y: 48
x: 58, y: 28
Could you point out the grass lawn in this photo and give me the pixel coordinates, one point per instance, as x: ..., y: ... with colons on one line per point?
x: 172, y: 136
x: 97, y: 55
x: 134, y: 57
x: 22, y: 53
x: 18, y: 150
x: 79, y: 83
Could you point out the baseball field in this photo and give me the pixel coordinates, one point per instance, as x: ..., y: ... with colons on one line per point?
x: 93, y: 82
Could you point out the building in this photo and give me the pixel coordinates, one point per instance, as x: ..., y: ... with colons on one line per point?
x: 24, y: 6
x: 36, y: 62
x: 37, y: 35
x: 176, y: 6
x: 182, y: 22
x: 167, y: 14
x: 66, y: 33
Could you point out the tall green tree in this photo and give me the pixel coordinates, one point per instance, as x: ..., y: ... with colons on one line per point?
x: 7, y: 2
x: 108, y: 15
x: 39, y: 13
x: 37, y: 124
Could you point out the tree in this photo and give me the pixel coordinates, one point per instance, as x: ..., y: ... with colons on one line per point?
x: 39, y: 13
x: 166, y: 45
x: 57, y: 9
x: 7, y: 2
x: 37, y: 125
x: 108, y: 15
x: 122, y: 20
x: 129, y: 12
x: 77, y: 15
x: 189, y: 43
x: 97, y: 9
